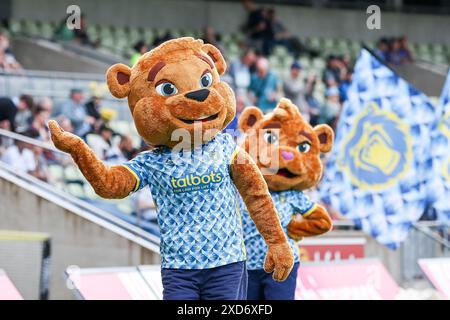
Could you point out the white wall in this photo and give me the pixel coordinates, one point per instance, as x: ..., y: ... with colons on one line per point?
x: 227, y: 17
x: 74, y: 240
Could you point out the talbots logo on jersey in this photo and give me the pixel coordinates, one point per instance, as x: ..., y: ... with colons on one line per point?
x: 194, y: 182
x: 378, y: 149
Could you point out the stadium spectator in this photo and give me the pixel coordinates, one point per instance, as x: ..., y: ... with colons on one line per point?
x: 8, y: 61
x: 279, y: 35
x: 101, y: 142
x: 121, y: 152
x: 240, y: 73
x: 314, y: 105
x: 25, y: 105
x: 8, y: 111
x: 65, y: 123
x: 74, y: 110
x: 62, y: 32
x: 382, y: 48
x: 239, y: 77
x: 332, y: 107
x: 160, y: 39
x: 211, y: 37
x: 139, y: 49
x: 45, y: 103
x: 126, y: 147
x: 395, y: 56
x: 144, y: 206
x: 20, y: 155
x: 294, y: 89
x: 264, y: 87
x: 344, y: 84
x: 93, y: 110
x: 39, y: 123
x: 80, y: 34
x: 256, y: 27
x: 405, y: 51
x: 332, y: 73
x: 41, y: 166
x: 397, y: 52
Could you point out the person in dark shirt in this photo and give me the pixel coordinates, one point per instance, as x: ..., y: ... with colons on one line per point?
x: 8, y: 113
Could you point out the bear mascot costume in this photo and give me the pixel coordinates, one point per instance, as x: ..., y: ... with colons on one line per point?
x: 180, y: 106
x: 287, y: 150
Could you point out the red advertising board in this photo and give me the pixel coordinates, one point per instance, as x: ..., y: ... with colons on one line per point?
x: 331, y: 249
x: 360, y: 279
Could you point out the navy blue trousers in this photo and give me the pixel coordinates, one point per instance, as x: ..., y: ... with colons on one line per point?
x: 261, y: 286
x: 228, y: 282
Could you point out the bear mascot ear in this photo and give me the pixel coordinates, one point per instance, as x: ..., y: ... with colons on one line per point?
x: 326, y: 137
x: 216, y: 57
x: 118, y: 80
x: 249, y: 117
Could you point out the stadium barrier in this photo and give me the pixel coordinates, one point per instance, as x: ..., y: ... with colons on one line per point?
x: 25, y: 256
x: 82, y: 234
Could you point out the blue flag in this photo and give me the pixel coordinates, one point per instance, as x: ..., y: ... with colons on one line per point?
x: 375, y: 174
x: 439, y: 180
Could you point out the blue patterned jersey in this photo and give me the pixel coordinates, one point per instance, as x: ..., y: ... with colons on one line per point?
x: 196, y: 202
x: 287, y: 203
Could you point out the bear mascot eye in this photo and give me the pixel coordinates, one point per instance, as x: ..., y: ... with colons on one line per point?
x: 304, y: 147
x: 206, y: 80
x: 270, y: 137
x: 166, y: 89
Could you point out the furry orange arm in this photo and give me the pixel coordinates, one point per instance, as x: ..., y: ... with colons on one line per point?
x: 114, y: 182
x: 313, y: 224
x: 253, y: 189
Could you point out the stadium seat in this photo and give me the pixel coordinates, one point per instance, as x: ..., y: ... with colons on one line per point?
x: 47, y: 29
x: 75, y: 189
x: 15, y: 26
x: 31, y: 28
x: 56, y: 172
x: 126, y: 206
x: 89, y: 192
x: 71, y: 173
x: 122, y: 127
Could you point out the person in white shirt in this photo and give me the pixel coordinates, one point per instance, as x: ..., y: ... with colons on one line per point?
x: 240, y: 73
x: 294, y: 89
x: 20, y: 157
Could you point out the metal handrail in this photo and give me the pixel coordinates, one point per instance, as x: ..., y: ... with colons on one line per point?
x: 54, y: 74
x: 432, y: 235
x: 34, y: 142
x: 81, y: 207
x: 85, y: 206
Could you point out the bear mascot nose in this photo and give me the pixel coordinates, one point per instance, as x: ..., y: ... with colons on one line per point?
x: 199, y: 95
x: 287, y: 155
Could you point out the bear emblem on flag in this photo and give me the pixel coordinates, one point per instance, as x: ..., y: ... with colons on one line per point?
x: 378, y: 150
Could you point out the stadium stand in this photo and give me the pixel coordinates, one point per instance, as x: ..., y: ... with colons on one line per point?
x: 120, y: 40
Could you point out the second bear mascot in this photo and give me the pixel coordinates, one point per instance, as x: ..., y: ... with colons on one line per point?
x: 180, y: 106
x: 287, y: 149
